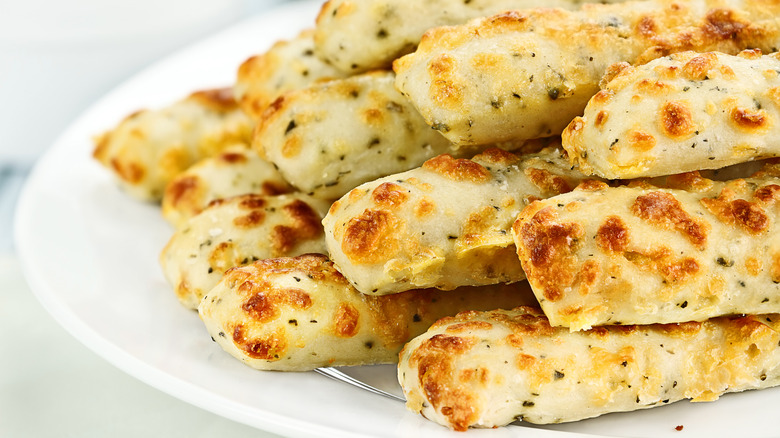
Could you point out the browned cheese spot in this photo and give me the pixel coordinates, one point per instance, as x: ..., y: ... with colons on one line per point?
x: 662, y: 261
x: 588, y: 276
x: 749, y: 120
x: 424, y: 208
x: 602, y: 97
x: 530, y: 323
x: 373, y: 116
x: 472, y: 375
x: 433, y: 360
x: 130, y: 172
x: 393, y: 314
x: 680, y: 270
x: 270, y: 347
x: 549, y: 246
x: 768, y: 194
x: 368, y: 238
x: 478, y: 224
x: 315, y: 266
x: 667, y: 71
x: 254, y: 218
x: 663, y: 209
x: 613, y: 235
x: 721, y: 24
x: 497, y: 156
x: 727, y: 72
x: 749, y: 216
x: 689, y: 181
x: 548, y: 183
x: 750, y: 54
x: 647, y: 27
x: 305, y: 224
x: 592, y: 185
x: 774, y: 94
x: 271, y: 188
x: 233, y: 157
x: 292, y: 146
x: 652, y: 87
x: 184, y: 190
x: 679, y: 330
x: 775, y: 268
x: 263, y: 304
x: 525, y: 361
x: 389, y: 195
x: 220, y: 99
x: 640, y: 140
x: 345, y: 322
x: 252, y: 202
x: 354, y: 195
x: 468, y: 326
x: 460, y: 169
x: 223, y: 256
x: 443, y: 89
x: 699, y: 66
x: 601, y: 119
x: 753, y: 266
x: 676, y: 120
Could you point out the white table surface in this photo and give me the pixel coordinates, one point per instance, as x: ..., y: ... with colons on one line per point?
x: 50, y: 384
x: 53, y: 386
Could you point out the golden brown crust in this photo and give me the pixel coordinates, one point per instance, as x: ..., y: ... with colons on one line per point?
x: 391, y: 28
x: 459, y: 170
x: 328, y: 138
x: 705, y: 111
x: 488, y: 369
x: 287, y: 65
x: 445, y: 224
x: 239, y: 230
x: 526, y: 73
x: 643, y: 254
x: 235, y: 171
x: 149, y: 148
x: 300, y: 313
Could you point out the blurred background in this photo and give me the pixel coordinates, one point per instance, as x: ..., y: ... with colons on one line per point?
x: 56, y: 58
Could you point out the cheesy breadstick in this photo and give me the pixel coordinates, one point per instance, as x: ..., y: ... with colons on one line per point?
x: 388, y: 29
x: 528, y: 73
x: 288, y: 65
x: 641, y: 255
x: 297, y: 314
x: 235, y: 171
x: 236, y: 231
x: 488, y: 369
x: 328, y: 138
x: 149, y: 148
x: 443, y: 225
x: 684, y: 112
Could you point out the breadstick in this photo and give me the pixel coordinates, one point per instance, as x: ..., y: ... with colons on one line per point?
x: 488, y: 369
x: 527, y: 74
x: 288, y: 65
x: 236, y: 231
x: 684, y: 112
x: 235, y: 171
x: 149, y: 148
x: 297, y: 314
x: 443, y: 225
x: 388, y: 29
x: 641, y: 255
x: 330, y: 137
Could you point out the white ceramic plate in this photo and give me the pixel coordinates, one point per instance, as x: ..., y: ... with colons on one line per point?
x: 90, y: 255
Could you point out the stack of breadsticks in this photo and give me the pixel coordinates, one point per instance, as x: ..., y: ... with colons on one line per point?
x: 606, y: 153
